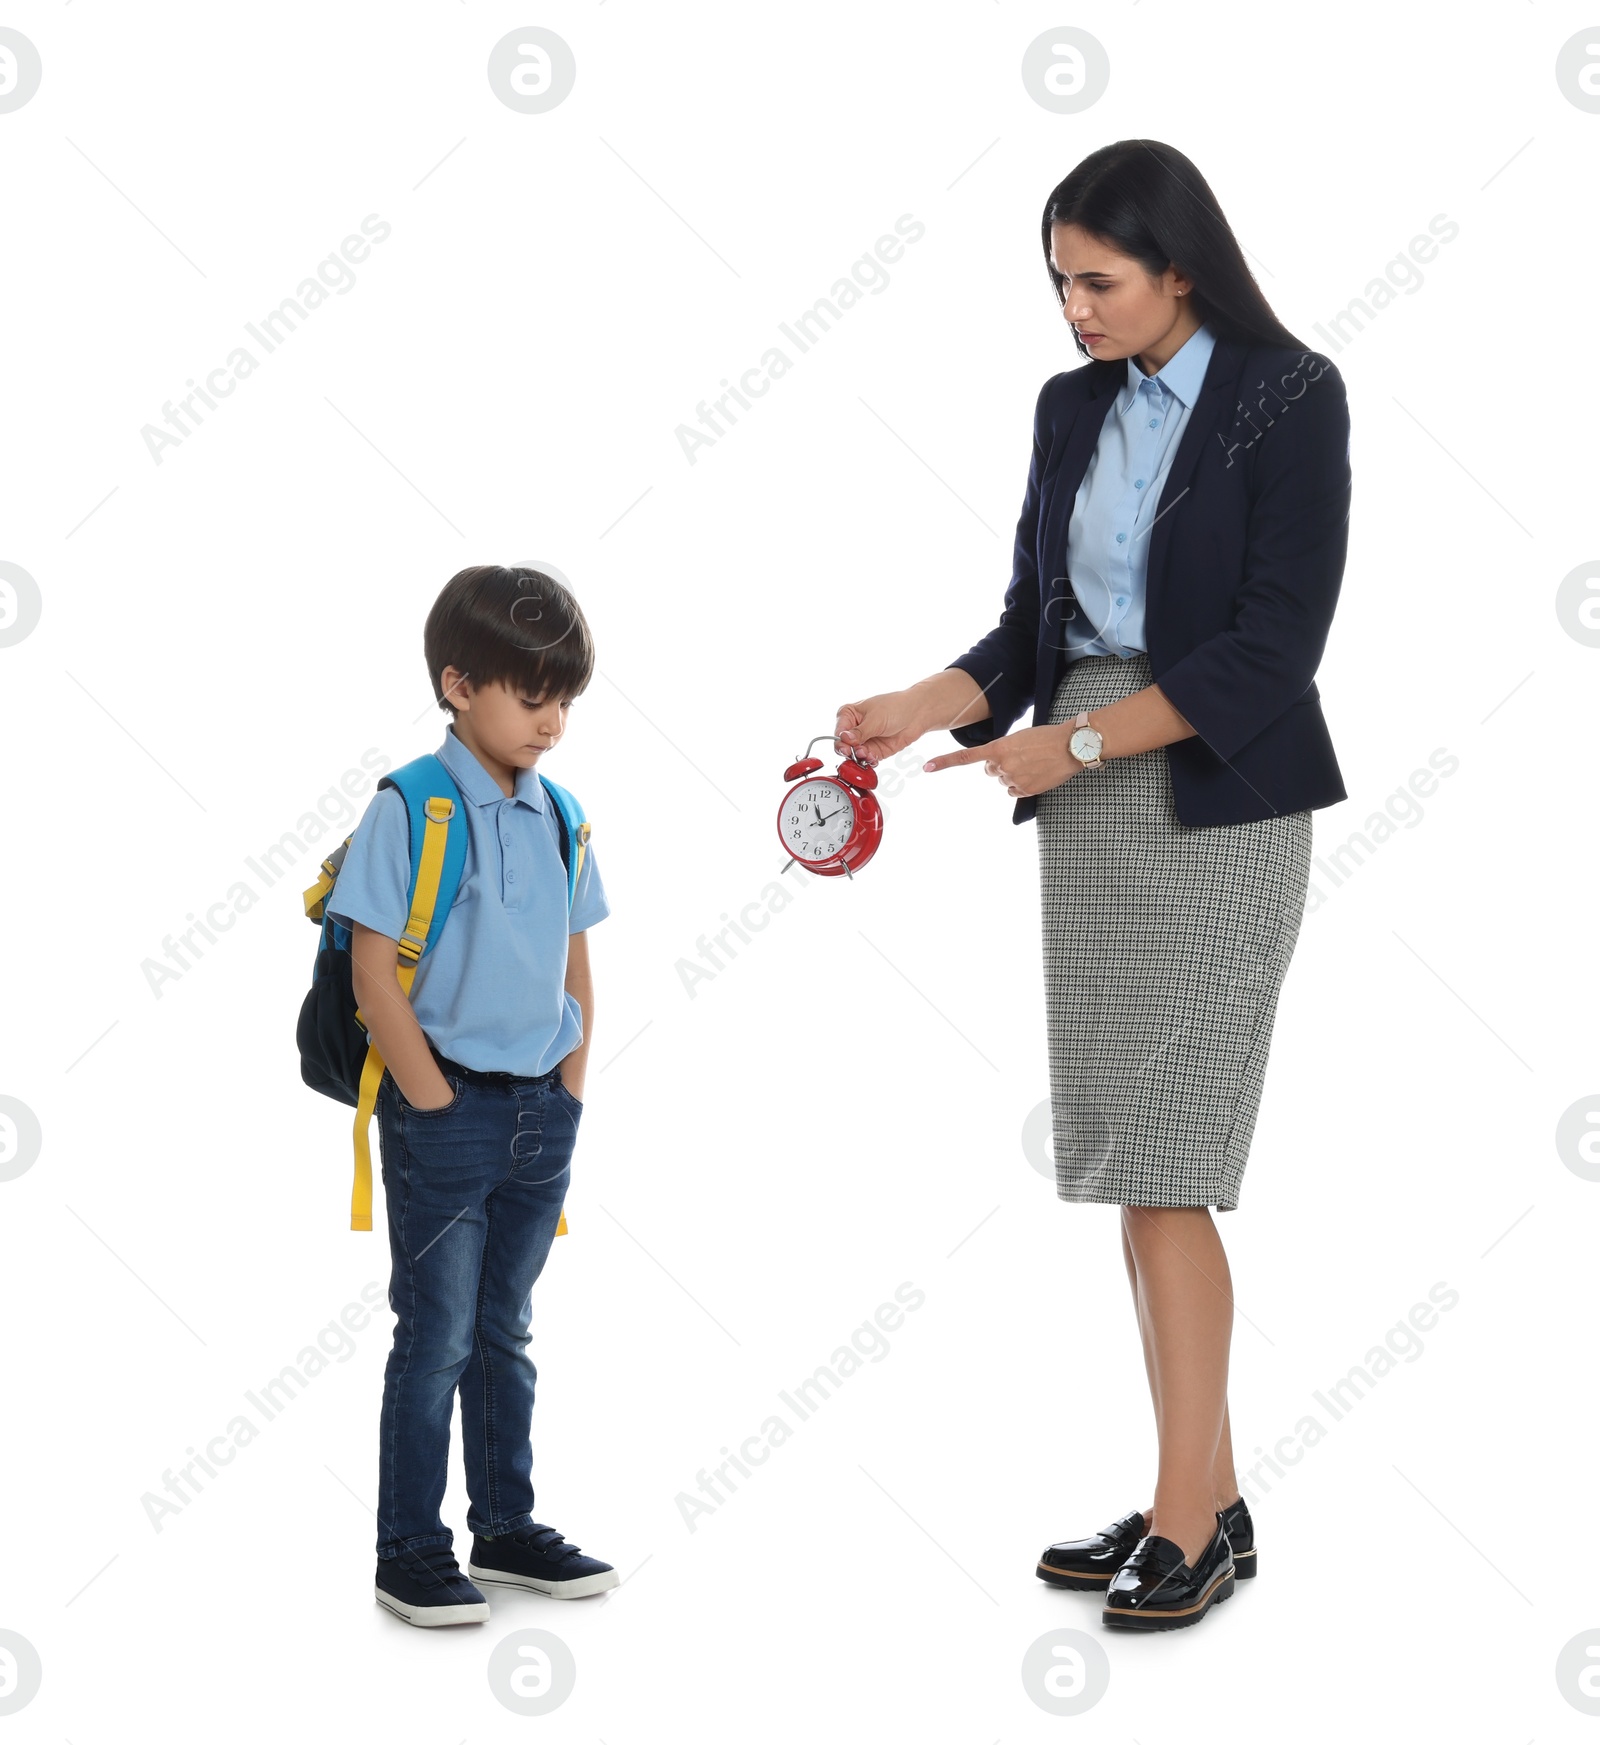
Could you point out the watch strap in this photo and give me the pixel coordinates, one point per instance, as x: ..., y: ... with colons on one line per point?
x: 1081, y: 720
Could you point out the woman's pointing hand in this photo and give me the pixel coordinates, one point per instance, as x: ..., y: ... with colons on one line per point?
x: 1027, y: 762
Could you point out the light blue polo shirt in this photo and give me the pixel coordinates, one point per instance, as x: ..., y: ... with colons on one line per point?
x: 491, y: 993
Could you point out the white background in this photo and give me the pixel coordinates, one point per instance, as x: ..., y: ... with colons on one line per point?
x: 842, y: 1108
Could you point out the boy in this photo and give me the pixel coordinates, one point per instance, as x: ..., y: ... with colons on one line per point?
x: 479, y: 1108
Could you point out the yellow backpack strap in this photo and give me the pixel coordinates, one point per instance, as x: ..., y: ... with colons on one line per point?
x: 317, y: 896
x: 361, y: 1192
x: 436, y: 831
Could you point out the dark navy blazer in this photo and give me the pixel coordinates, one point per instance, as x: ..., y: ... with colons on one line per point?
x: 1246, y: 555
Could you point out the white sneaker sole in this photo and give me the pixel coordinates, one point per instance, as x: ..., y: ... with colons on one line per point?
x: 559, y: 1590
x: 429, y: 1616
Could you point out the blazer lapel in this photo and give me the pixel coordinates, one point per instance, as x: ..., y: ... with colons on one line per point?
x: 1217, y: 391
x: 1061, y: 488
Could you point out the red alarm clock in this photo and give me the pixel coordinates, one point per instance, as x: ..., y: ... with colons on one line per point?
x: 830, y: 824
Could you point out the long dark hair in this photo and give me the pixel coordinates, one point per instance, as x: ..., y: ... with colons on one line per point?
x: 1146, y: 200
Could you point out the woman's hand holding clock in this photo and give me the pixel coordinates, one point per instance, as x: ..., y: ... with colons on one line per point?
x: 878, y: 727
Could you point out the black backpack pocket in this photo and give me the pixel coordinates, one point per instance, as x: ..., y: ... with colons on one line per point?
x: 333, y: 1044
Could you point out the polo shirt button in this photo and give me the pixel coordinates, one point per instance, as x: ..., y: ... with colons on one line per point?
x: 511, y: 878
x: 1138, y: 484
x: 1121, y: 537
x: 1122, y: 599
x: 1152, y: 424
x: 506, y: 840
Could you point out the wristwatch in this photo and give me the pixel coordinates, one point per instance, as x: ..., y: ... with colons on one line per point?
x: 1085, y: 742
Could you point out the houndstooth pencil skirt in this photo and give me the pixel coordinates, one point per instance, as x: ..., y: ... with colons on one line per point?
x: 1165, y: 945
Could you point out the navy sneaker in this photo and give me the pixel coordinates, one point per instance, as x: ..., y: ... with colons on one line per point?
x: 540, y: 1559
x: 424, y: 1585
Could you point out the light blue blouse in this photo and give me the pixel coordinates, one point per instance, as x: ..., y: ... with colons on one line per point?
x: 1108, y: 545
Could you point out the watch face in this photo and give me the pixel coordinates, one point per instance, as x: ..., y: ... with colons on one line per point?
x: 816, y: 819
x: 1085, y: 744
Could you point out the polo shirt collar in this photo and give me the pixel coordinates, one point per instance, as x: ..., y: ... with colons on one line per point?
x: 1182, y: 373
x: 475, y: 782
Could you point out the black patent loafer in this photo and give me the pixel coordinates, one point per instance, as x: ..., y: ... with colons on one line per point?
x: 1242, y: 1537
x: 1156, y: 1590
x: 1090, y: 1563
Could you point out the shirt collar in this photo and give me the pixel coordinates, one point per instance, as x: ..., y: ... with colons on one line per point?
x: 1182, y: 373
x: 475, y: 782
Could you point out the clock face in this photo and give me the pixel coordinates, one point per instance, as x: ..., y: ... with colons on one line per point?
x: 817, y: 819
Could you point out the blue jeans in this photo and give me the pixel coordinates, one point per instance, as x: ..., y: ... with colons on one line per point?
x: 474, y: 1193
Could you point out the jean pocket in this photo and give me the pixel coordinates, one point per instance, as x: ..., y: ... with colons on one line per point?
x: 563, y: 1091
x: 457, y: 1085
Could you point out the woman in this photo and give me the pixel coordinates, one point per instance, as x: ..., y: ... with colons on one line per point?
x: 1176, y: 568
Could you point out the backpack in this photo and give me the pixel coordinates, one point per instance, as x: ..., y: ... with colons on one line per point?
x: 337, y: 1056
